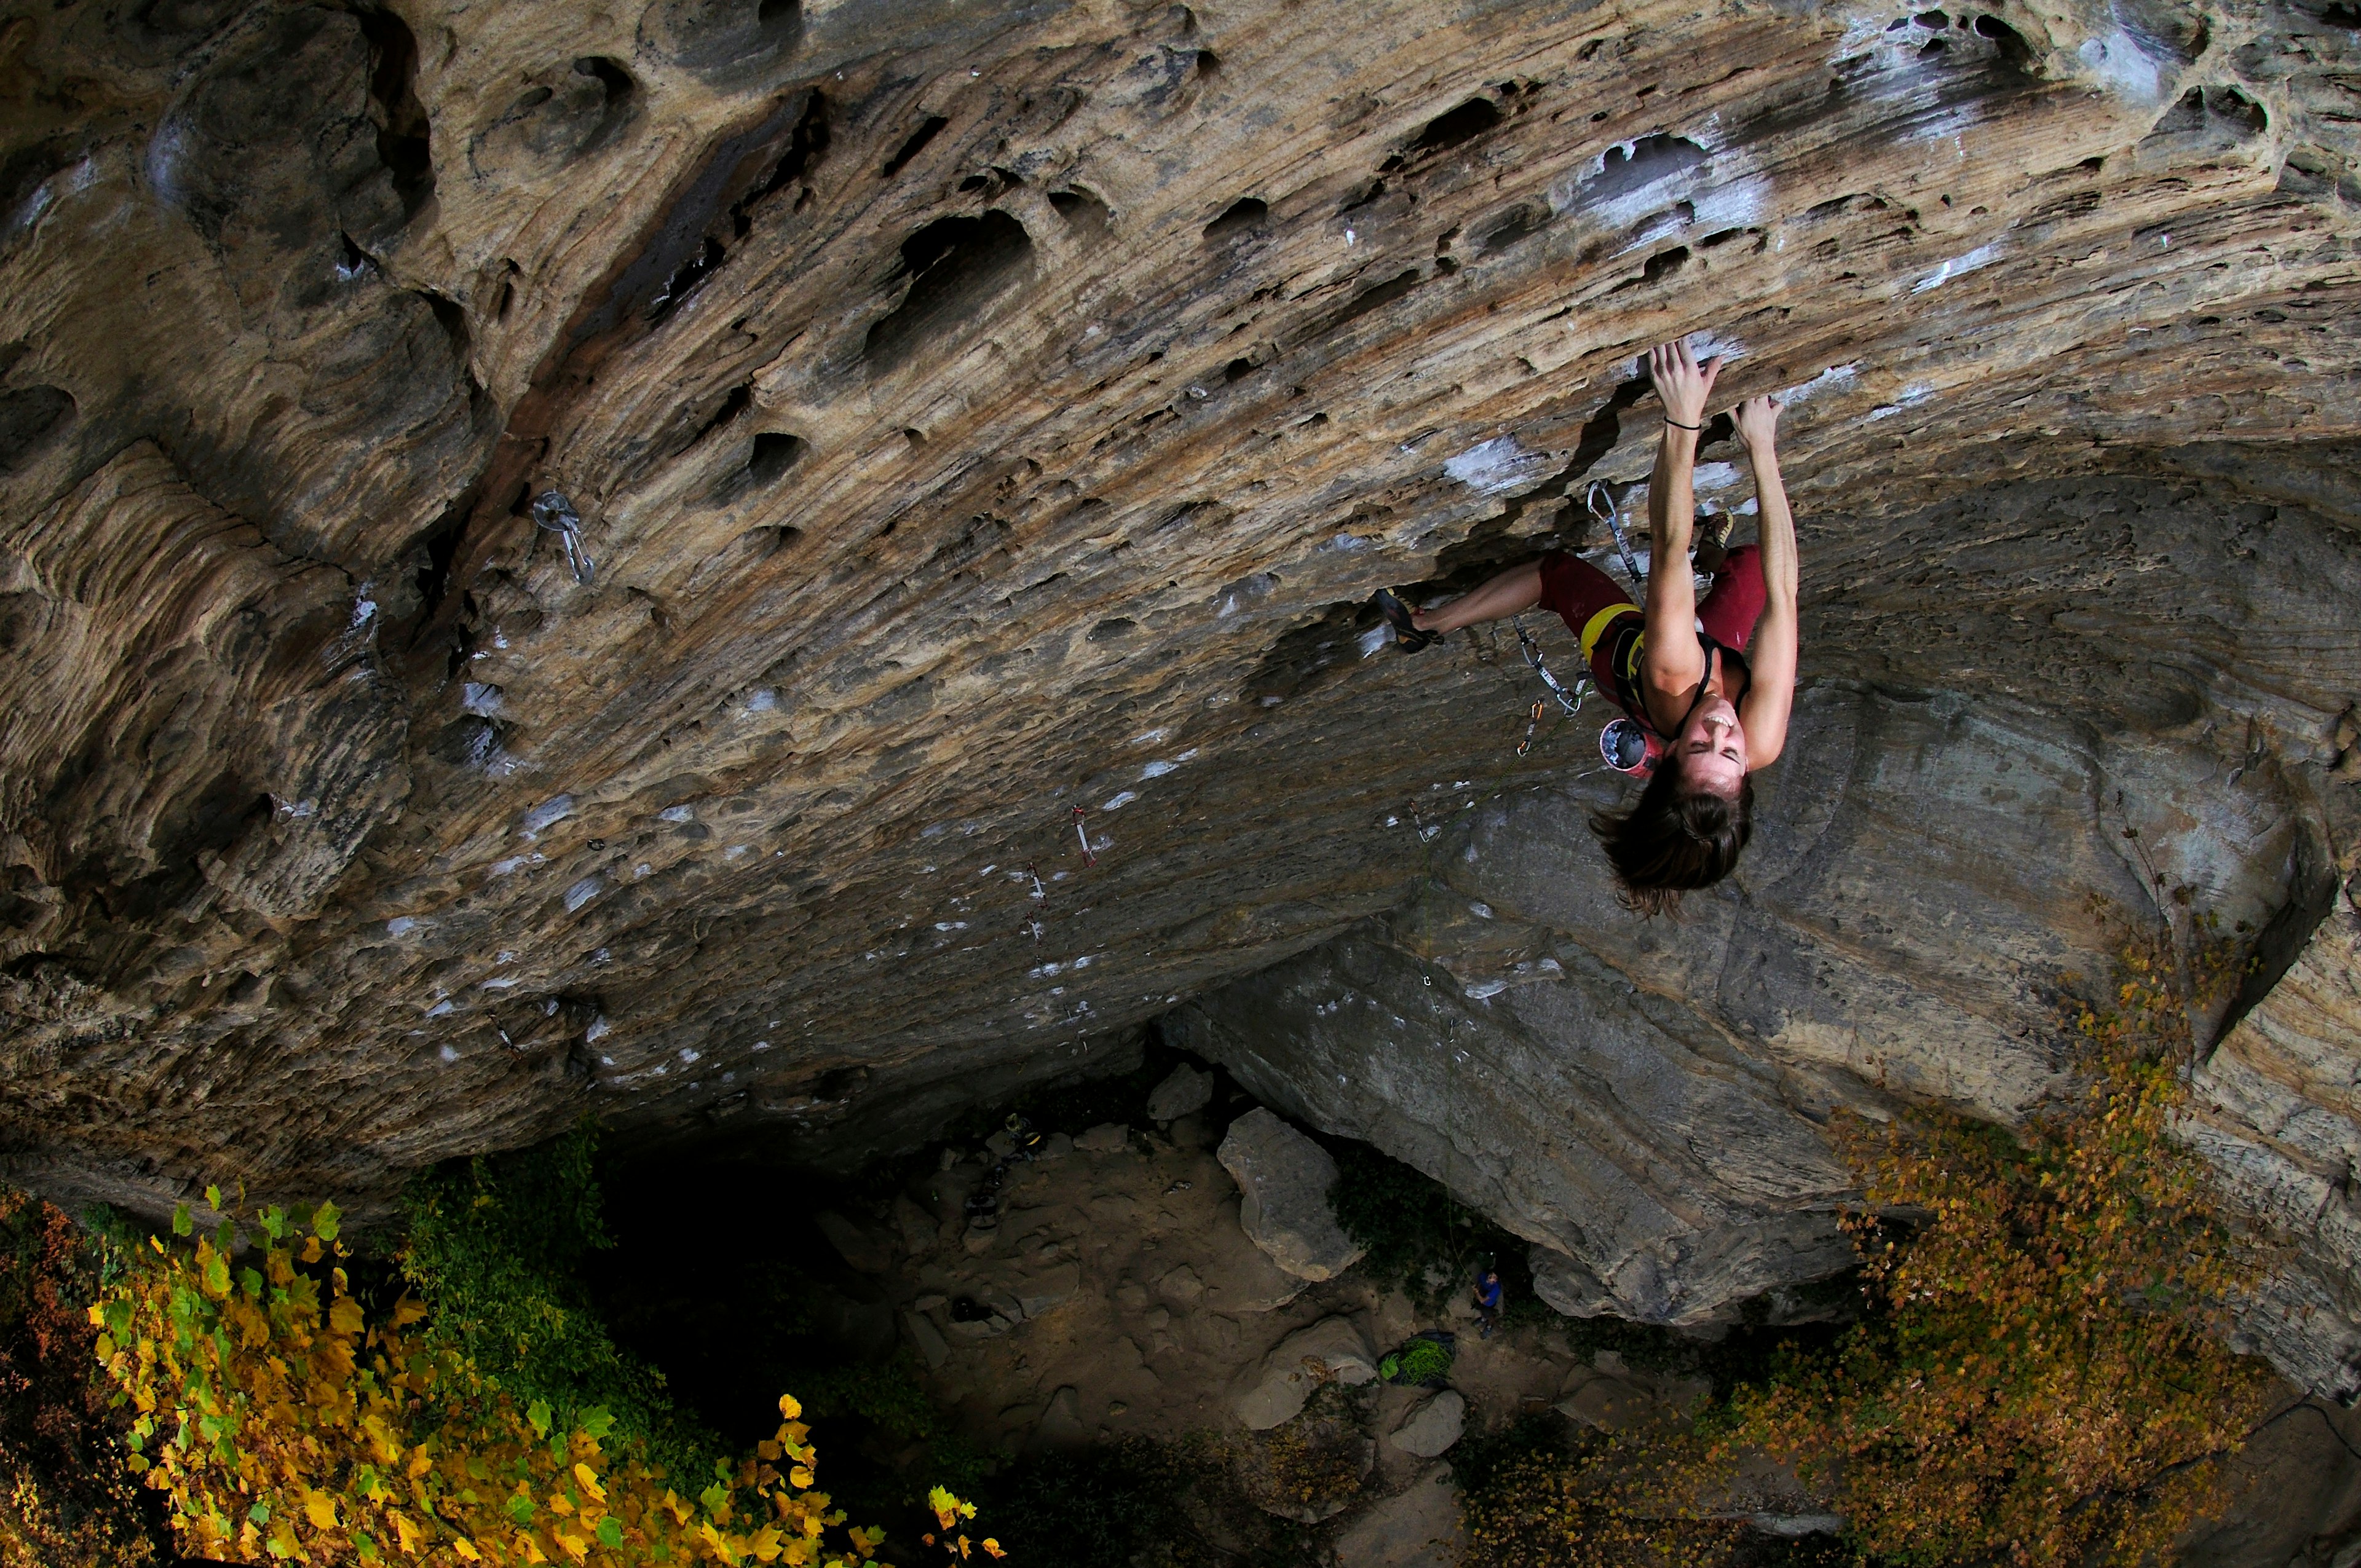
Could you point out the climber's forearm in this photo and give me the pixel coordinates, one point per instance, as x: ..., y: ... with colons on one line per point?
x: 1776, y: 528
x: 1671, y: 519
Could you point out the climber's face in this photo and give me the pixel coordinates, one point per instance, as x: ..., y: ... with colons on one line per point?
x: 1710, y: 750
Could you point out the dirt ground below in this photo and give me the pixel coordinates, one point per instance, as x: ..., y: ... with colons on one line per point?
x: 1117, y: 1296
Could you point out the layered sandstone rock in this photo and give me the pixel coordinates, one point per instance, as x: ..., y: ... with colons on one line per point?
x: 981, y: 427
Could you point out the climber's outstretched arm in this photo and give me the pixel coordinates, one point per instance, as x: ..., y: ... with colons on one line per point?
x: 1772, y: 653
x: 1673, y: 662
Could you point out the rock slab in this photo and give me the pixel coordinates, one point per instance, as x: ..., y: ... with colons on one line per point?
x: 1185, y: 1090
x: 1432, y: 1425
x: 1331, y: 1350
x: 1107, y: 1138
x: 1283, y: 1181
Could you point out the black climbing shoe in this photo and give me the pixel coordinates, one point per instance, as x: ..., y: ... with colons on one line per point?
x: 1407, y: 636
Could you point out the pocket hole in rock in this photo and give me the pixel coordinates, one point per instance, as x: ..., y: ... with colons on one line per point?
x: 774, y: 453
x: 1448, y: 130
x: 956, y: 266
x: 1244, y: 215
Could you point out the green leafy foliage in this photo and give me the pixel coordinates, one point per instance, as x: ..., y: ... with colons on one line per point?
x: 499, y: 1245
x: 884, y: 1393
x: 1421, y: 1238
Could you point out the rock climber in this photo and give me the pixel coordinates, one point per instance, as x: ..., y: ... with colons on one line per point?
x: 1487, y: 1301
x: 1713, y: 681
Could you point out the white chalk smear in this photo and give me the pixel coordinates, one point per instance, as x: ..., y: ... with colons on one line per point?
x: 1835, y: 378
x: 1491, y: 466
x: 1958, y: 266
x: 1120, y: 801
x: 1913, y: 394
x: 2118, y: 63
x: 1734, y: 205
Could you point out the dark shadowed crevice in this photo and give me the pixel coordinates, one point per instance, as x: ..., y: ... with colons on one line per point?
x: 29, y: 421
x: 1513, y: 227
x: 956, y: 267
x: 915, y: 144
x: 402, y: 142
x: 1245, y: 215
x: 1084, y: 214
x: 774, y: 453
x: 1449, y: 130
x: 804, y: 145
x: 1376, y: 297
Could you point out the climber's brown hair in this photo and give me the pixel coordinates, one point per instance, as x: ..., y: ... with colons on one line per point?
x: 1673, y: 840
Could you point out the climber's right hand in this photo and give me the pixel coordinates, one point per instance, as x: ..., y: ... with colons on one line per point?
x: 1682, y: 384
x: 1758, y: 423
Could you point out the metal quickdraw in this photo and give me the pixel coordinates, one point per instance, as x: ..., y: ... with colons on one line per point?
x: 1613, y: 518
x: 553, y: 513
x: 1088, y: 859
x: 1569, y: 701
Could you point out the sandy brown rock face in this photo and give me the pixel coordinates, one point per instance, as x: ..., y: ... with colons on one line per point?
x: 975, y: 414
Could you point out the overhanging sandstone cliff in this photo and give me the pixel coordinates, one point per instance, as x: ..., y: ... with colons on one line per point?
x: 974, y: 413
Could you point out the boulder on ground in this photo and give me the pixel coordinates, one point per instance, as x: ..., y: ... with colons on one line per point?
x: 1331, y: 1350
x: 1185, y: 1090
x: 1432, y: 1425
x: 1107, y: 1138
x: 1283, y: 1183
x: 927, y: 1338
x: 865, y: 1250
x: 919, y: 1230
x: 1417, y: 1527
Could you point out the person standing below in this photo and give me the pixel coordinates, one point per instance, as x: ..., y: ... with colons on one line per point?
x: 1715, y: 682
x: 1487, y: 1301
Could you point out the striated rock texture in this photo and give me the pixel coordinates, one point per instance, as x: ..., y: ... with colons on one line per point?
x: 979, y: 426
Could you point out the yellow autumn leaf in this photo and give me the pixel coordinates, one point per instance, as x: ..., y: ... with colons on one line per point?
x: 321, y: 1510
x: 800, y: 1476
x: 467, y: 1549
x: 589, y: 1479
x: 789, y: 1406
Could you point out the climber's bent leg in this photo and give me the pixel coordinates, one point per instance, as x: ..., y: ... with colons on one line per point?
x: 1518, y: 589
x: 1735, y: 602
